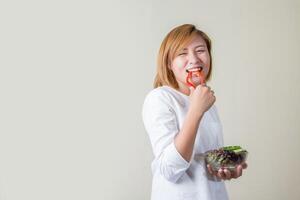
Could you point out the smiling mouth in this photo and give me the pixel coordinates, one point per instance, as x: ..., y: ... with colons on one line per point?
x: 195, y: 76
x: 194, y: 69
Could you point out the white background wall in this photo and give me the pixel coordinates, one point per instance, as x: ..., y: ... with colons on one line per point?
x: 74, y: 74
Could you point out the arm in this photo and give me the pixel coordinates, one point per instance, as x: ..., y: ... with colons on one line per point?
x: 173, y: 148
x: 201, y: 99
x: 184, y: 141
x: 162, y: 127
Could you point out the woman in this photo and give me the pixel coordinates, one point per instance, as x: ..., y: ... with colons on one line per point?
x: 182, y: 121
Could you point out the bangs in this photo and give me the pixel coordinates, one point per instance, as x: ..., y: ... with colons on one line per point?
x: 182, y: 42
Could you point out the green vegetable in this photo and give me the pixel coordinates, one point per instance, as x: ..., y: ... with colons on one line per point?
x: 226, y: 157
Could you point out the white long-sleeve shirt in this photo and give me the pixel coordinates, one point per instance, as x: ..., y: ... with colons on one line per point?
x: 174, y: 178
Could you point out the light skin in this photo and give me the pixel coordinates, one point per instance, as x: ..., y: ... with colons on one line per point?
x: 201, y: 99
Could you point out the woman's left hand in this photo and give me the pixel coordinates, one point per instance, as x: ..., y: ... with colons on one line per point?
x: 225, y: 174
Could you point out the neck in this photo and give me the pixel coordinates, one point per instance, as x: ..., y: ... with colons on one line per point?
x: 183, y: 88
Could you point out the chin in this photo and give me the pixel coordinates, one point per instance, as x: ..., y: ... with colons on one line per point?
x: 196, y: 84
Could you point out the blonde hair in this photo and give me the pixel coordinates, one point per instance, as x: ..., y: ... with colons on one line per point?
x: 176, y: 40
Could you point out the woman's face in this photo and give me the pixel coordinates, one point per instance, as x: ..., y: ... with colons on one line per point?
x: 192, y: 56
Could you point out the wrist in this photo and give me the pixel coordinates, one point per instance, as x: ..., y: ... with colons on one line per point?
x: 194, y: 114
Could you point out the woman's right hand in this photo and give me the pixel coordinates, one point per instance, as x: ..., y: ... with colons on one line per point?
x: 201, y: 99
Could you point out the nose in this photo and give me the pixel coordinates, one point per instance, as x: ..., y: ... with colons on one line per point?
x: 193, y: 59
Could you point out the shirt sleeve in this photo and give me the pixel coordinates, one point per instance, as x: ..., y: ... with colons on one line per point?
x: 161, y: 125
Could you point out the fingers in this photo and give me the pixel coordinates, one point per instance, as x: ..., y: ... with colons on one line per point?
x: 210, y: 170
x: 209, y: 89
x: 224, y: 174
x: 192, y: 89
x: 206, y: 90
x: 244, y: 165
x: 205, y: 86
x: 221, y: 174
x: 227, y: 174
x: 238, y: 172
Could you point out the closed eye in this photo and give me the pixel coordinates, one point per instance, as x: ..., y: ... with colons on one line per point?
x: 182, y: 54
